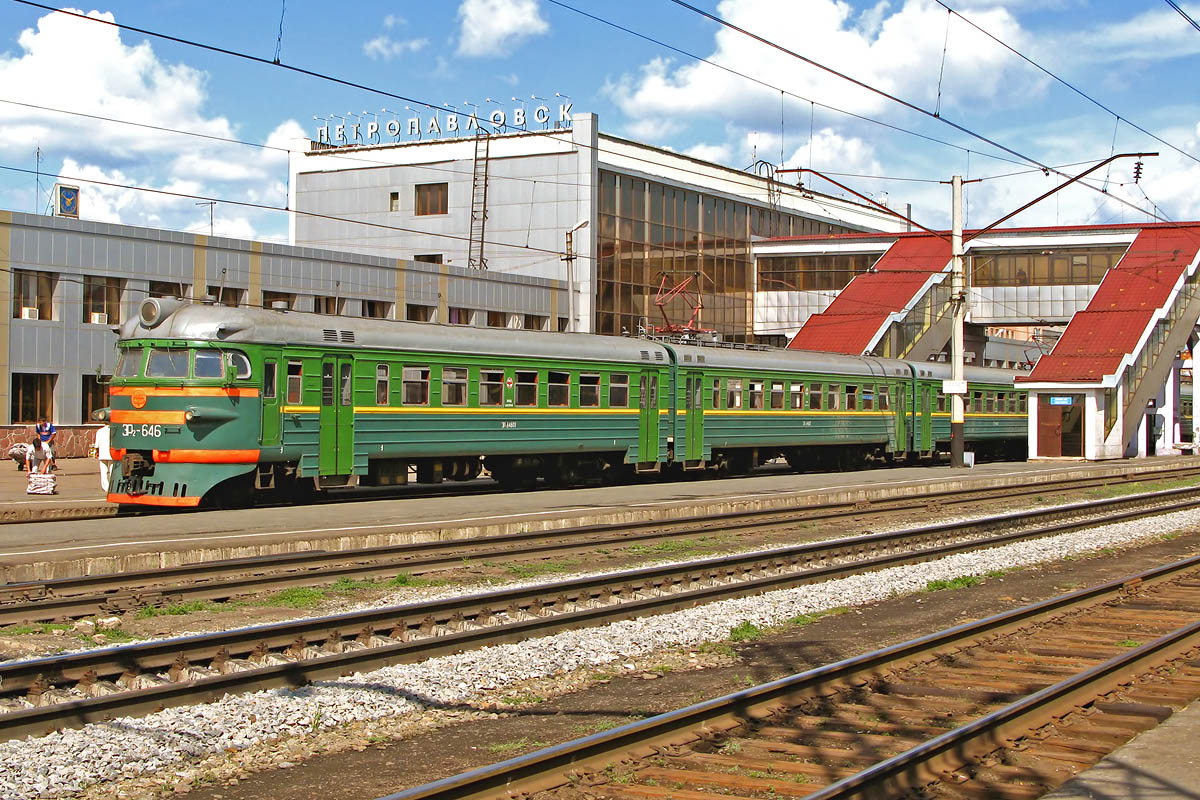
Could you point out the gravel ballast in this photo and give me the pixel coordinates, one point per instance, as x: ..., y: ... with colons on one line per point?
x: 168, y: 743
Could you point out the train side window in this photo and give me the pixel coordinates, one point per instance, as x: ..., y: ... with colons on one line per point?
x: 454, y: 386
x: 835, y: 397
x: 618, y: 390
x: 208, y: 364
x: 851, y: 397
x: 1000, y: 401
x: 491, y: 387
x: 868, y: 397
x: 797, y: 396
x: 269, y: 380
x: 776, y: 394
x: 346, y: 383
x: 989, y: 401
x: 129, y: 363
x: 1012, y: 402
x: 416, y: 386
x: 589, y: 391
x: 977, y: 402
x: 294, y: 373
x: 383, y: 380
x: 733, y: 393
x: 941, y: 401
x: 885, y: 398
x: 327, y: 383
x: 756, y: 394
x: 526, y: 388
x: 558, y: 388
x: 1021, y: 406
x: 240, y: 364
x: 716, y: 393
x: 815, y: 391
x: 167, y: 364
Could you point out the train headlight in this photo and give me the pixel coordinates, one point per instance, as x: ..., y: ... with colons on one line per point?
x: 189, y: 415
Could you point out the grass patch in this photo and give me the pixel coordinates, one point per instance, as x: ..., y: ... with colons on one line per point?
x: 665, y: 547
x: 353, y: 585
x: 537, y: 568
x: 745, y: 632
x: 808, y: 619
x: 41, y: 627
x: 512, y: 747
x: 404, y: 579
x: 961, y: 582
x: 178, y: 609
x: 115, y: 636
x: 522, y: 699
x: 297, y: 597
x: 1129, y: 643
x: 718, y: 648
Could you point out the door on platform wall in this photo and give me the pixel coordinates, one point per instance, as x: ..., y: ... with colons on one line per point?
x: 1060, y: 426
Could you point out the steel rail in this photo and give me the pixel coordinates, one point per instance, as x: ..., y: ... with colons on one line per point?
x: 561, y: 764
x: 422, y: 630
x: 71, y: 597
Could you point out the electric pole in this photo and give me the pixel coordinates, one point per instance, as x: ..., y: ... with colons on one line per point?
x: 957, y: 386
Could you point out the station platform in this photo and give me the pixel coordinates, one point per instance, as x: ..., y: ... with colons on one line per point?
x: 1161, y: 764
x: 79, y: 493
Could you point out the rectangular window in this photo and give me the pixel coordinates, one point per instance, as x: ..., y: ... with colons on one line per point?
x: 95, y: 394
x: 281, y: 301
x: 1000, y: 402
x: 416, y: 386
x: 32, y: 397
x: 977, y: 402
x: 989, y: 401
x: 885, y: 398
x: 376, y: 309
x: 383, y: 380
x: 208, y: 364
x: 393, y: 201
x: 941, y: 402
x: 33, y: 294
x: 526, y: 388
x: 491, y: 387
x: 454, y: 386
x: 432, y: 198
x: 558, y: 388
x: 327, y: 383
x: 269, y: 380
x: 1021, y: 407
x: 129, y: 362
x: 497, y: 319
x: 167, y: 364
x: 776, y: 394
x: 851, y: 397
x: 589, y: 391
x: 756, y: 394
x: 458, y: 316
x: 417, y: 313
x: 168, y: 289
x: 326, y: 305
x: 429, y: 258
x: 227, y: 295
x: 618, y: 391
x: 535, y: 322
x: 797, y: 396
x: 716, y: 393
x: 101, y: 300
x: 868, y: 398
x: 1012, y: 403
x: 733, y: 393
x: 835, y: 397
x: 562, y: 324
x: 294, y: 373
x: 815, y: 393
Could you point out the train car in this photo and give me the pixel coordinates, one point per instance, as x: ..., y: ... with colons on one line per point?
x: 220, y: 405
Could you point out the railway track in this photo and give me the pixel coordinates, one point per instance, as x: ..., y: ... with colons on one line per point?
x: 73, y: 689
x: 1006, y: 707
x: 66, y: 598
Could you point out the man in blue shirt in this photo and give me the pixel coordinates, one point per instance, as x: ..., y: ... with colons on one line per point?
x: 46, y: 433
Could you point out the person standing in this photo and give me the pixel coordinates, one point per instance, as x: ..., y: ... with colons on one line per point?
x: 46, y: 433
x: 104, y: 453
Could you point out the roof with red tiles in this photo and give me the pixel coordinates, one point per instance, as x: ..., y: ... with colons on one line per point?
x: 1113, y: 323
x: 858, y: 312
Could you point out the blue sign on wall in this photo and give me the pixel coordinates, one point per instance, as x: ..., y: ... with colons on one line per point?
x: 1062, y: 401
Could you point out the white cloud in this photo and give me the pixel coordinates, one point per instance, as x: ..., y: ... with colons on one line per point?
x: 717, y: 153
x: 494, y: 27
x: 127, y: 82
x: 1152, y: 35
x: 385, y: 48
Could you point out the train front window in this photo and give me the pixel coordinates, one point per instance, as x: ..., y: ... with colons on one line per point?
x: 208, y: 364
x: 240, y: 363
x: 129, y: 363
x: 167, y: 364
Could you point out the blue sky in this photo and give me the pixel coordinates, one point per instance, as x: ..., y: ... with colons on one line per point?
x: 1139, y: 59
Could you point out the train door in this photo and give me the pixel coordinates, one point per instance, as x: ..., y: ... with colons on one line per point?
x: 694, y: 422
x: 926, y: 411
x: 648, y: 427
x: 270, y: 403
x: 337, y: 416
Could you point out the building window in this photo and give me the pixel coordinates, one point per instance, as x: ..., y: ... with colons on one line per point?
x: 168, y: 289
x: 32, y: 397
x: 94, y: 394
x: 376, y: 309
x: 227, y: 295
x: 535, y: 322
x: 429, y: 258
x: 101, y: 300
x: 459, y: 316
x: 432, y: 198
x: 33, y: 294
x: 416, y: 313
x: 326, y: 305
x: 394, y: 201
x: 562, y: 324
x: 454, y: 386
x: 416, y: 386
x: 497, y: 319
x: 287, y: 300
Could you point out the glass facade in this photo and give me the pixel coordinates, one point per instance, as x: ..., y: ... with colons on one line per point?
x: 649, y: 230
x: 807, y: 273
x: 1059, y: 266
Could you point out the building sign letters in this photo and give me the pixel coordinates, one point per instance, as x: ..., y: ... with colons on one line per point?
x: 438, y: 124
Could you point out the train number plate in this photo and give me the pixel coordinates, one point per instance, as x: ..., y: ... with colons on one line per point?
x: 141, y: 430
x: 507, y: 424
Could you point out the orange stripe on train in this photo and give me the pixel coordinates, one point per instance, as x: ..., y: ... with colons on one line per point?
x: 206, y: 456
x: 154, y: 500
x: 182, y: 391
x: 147, y: 417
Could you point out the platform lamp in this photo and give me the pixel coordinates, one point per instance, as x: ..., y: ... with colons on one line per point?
x: 544, y: 100
x: 569, y: 257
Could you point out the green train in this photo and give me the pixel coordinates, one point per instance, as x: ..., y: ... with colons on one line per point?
x: 217, y: 405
